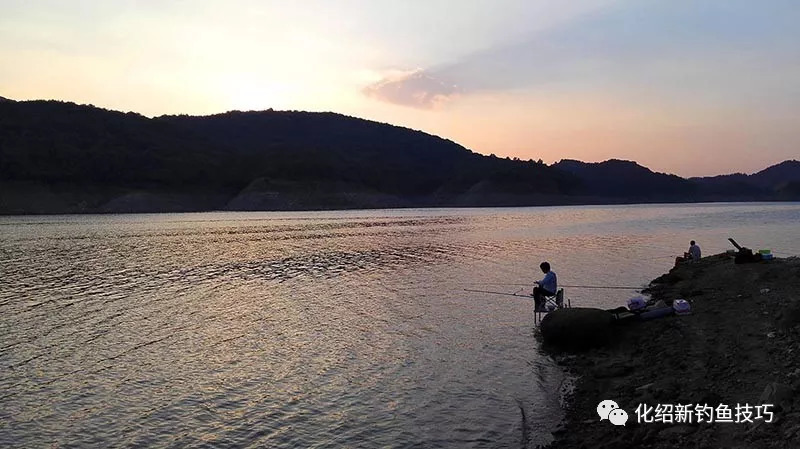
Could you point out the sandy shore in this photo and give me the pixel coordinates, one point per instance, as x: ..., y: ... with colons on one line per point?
x: 741, y: 345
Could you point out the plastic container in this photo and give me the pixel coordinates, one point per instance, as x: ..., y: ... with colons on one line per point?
x: 767, y: 257
x: 682, y: 307
x: 764, y: 252
x: 637, y: 303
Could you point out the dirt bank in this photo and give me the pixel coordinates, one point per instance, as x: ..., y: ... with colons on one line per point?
x: 741, y: 345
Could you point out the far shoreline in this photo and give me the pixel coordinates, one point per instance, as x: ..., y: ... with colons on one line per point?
x: 599, y: 204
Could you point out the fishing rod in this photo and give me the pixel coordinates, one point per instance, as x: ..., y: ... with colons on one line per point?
x: 497, y: 293
x: 612, y: 287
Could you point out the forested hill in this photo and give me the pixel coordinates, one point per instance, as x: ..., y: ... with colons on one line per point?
x: 619, y: 179
x: 328, y: 147
x: 58, y: 157
x: 780, y: 181
x: 626, y: 179
x: 63, y: 157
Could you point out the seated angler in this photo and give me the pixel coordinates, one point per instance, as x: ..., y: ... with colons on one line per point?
x: 548, y: 286
x: 694, y: 251
x: 693, y: 255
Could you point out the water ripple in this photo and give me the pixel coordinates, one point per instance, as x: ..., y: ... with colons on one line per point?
x: 309, y: 329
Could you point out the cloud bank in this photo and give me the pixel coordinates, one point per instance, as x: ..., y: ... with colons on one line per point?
x: 417, y: 88
x: 710, y: 54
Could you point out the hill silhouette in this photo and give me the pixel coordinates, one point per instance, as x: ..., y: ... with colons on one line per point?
x: 778, y: 182
x: 59, y: 157
x: 62, y: 157
x: 626, y: 179
x: 315, y: 147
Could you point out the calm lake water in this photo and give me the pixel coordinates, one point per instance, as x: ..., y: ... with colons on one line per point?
x: 316, y: 329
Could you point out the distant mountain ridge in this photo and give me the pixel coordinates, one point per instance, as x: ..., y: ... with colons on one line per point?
x: 59, y: 157
x: 777, y: 175
x: 627, y: 179
x: 618, y: 178
x: 780, y: 181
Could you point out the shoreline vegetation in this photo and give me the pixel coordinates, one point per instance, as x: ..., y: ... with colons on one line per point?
x: 59, y: 157
x: 740, y: 345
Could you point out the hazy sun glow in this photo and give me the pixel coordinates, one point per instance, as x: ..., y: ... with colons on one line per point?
x: 679, y: 86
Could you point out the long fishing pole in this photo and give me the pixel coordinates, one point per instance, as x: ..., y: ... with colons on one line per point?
x: 612, y: 287
x: 497, y: 293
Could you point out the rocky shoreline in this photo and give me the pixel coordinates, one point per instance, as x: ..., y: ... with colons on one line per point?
x: 740, y: 345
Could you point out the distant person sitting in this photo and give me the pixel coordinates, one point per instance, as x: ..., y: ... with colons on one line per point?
x: 546, y: 287
x: 694, y: 251
x: 693, y: 255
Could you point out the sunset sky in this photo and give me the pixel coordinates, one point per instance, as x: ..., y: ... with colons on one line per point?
x: 688, y: 87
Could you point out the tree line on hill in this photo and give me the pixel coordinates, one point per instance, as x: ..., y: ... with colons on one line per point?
x: 62, y: 157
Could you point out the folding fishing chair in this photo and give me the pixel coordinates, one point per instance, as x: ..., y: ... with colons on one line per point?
x: 551, y: 303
